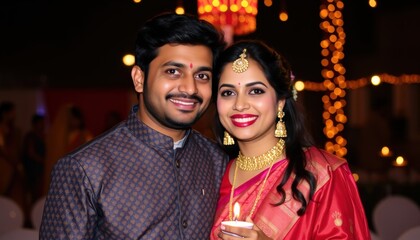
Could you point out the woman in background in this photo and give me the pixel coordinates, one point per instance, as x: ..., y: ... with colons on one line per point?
x: 67, y: 132
x: 286, y: 186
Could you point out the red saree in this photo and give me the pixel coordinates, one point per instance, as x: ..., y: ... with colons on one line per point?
x: 335, y: 211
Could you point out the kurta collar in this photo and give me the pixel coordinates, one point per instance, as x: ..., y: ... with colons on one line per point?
x: 149, y: 135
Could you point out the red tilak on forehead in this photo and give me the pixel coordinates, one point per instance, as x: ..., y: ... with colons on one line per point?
x: 191, y: 65
x: 239, y: 83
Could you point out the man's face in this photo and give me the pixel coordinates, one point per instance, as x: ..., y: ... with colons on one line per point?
x: 177, y: 90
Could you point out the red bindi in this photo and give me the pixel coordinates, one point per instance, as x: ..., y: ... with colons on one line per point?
x: 191, y: 65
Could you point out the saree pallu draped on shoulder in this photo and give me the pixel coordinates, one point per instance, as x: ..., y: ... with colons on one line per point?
x: 334, y: 212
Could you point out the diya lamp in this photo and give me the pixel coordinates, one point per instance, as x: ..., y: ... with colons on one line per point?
x: 235, y: 222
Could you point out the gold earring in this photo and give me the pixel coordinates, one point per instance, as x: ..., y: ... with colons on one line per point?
x: 228, y: 140
x: 280, y: 127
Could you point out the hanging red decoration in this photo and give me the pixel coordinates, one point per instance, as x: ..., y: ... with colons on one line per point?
x: 234, y: 17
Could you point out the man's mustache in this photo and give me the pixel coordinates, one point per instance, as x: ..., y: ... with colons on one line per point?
x: 183, y: 95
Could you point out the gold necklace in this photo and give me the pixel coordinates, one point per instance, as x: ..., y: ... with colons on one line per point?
x: 280, y: 147
x: 261, y: 161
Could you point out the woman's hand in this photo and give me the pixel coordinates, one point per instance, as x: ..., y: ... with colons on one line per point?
x: 235, y: 233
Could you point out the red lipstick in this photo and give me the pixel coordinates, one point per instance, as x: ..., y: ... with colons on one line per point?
x: 243, y: 120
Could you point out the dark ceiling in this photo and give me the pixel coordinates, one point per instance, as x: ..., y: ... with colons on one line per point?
x: 80, y: 43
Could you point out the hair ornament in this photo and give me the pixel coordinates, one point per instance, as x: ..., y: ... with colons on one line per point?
x: 240, y: 65
x: 294, y: 91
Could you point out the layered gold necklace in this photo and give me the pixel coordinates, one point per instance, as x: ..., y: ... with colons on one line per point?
x: 252, y: 164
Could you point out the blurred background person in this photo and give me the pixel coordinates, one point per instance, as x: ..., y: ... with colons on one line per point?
x: 78, y: 134
x: 33, y: 156
x: 6, y: 168
x: 67, y: 132
x: 10, y: 142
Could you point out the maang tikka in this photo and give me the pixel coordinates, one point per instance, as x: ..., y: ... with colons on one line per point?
x: 280, y: 131
x: 240, y: 65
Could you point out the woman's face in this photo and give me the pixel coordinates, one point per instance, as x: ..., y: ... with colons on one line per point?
x: 247, y: 103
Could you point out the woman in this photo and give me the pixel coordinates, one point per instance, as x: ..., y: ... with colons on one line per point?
x: 287, y: 187
x: 67, y: 132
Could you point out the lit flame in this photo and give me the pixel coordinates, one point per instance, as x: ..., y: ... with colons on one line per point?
x: 236, y: 211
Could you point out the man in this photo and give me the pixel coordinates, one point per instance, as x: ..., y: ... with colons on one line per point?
x: 152, y: 176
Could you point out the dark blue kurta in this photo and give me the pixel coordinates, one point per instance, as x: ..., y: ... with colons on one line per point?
x: 131, y: 184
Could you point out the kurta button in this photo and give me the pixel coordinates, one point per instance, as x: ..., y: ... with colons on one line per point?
x: 184, y: 224
x: 177, y: 163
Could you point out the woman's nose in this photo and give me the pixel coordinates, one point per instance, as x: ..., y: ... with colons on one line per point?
x: 241, y: 103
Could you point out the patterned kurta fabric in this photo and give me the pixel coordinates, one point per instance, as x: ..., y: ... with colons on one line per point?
x: 131, y: 184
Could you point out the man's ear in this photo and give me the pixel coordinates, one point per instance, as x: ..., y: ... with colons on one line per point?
x: 137, y: 76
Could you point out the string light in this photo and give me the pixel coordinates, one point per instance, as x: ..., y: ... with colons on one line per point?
x: 180, y: 8
x: 283, y: 15
x: 128, y: 59
x: 373, y: 3
x: 385, y: 152
x: 362, y: 82
x: 400, y: 162
x: 268, y: 3
x: 375, y: 80
x: 333, y: 71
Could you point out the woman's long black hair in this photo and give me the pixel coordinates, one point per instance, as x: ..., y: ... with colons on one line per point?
x: 278, y: 73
